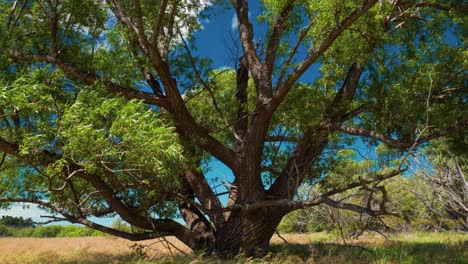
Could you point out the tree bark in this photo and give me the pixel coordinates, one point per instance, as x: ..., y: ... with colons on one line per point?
x: 248, y: 232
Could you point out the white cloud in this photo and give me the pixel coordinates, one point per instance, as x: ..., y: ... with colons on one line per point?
x: 32, y: 212
x: 234, y: 25
x: 234, y: 22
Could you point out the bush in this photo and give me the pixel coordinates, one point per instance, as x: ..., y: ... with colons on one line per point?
x: 49, y: 231
x: 46, y: 231
x: 23, y: 232
x: 304, y: 220
x: 5, y: 231
x: 77, y: 231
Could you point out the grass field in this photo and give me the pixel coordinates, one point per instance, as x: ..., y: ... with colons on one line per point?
x: 301, y: 248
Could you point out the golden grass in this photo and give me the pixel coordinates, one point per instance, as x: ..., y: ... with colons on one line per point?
x: 84, y: 249
x: 301, y: 248
x: 79, y: 250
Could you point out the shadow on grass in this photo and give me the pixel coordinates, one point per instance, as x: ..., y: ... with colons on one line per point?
x: 388, y: 252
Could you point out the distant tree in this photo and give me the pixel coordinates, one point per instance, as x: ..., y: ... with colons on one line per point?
x: 4, y: 231
x: 105, y: 109
x: 16, y: 222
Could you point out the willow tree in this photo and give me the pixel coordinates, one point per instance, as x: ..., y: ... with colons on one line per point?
x: 105, y: 110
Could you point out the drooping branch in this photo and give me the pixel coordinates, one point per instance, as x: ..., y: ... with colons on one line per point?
x: 175, y: 104
x: 129, y: 214
x: 84, y: 221
x: 118, y: 233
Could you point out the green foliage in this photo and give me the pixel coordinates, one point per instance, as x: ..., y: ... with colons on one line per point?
x: 16, y: 222
x: 4, y: 231
x: 119, y: 224
x: 23, y: 232
x: 50, y: 231
x: 46, y: 231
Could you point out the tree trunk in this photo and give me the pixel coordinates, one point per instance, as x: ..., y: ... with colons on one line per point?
x: 248, y: 233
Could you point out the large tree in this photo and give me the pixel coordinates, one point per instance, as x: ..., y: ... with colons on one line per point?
x: 105, y: 109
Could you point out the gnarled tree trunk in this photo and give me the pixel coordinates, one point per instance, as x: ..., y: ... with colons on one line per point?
x: 248, y: 232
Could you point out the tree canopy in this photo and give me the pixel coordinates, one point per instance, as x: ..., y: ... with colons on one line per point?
x: 105, y: 109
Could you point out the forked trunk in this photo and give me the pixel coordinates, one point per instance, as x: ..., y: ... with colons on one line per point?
x: 247, y: 233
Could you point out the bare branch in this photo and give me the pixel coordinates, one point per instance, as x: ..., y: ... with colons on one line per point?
x: 378, y: 178
x: 354, y: 207
x: 395, y: 143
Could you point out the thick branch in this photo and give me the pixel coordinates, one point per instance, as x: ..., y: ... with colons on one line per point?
x: 315, y: 139
x: 342, y: 100
x: 318, y: 51
x: 204, y: 193
x: 246, y: 37
x: 275, y: 38
x: 157, y: 26
x: 242, y: 120
x: 90, y: 78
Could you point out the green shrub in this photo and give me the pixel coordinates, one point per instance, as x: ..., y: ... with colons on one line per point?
x: 46, y: 231
x: 70, y: 231
x: 49, y: 231
x: 5, y: 231
x: 95, y: 233
x: 23, y: 232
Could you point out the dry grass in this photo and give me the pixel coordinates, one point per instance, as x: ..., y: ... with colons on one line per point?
x: 301, y: 248
x: 97, y: 249
x: 80, y: 250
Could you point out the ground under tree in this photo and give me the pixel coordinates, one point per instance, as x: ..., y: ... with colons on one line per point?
x: 105, y: 109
